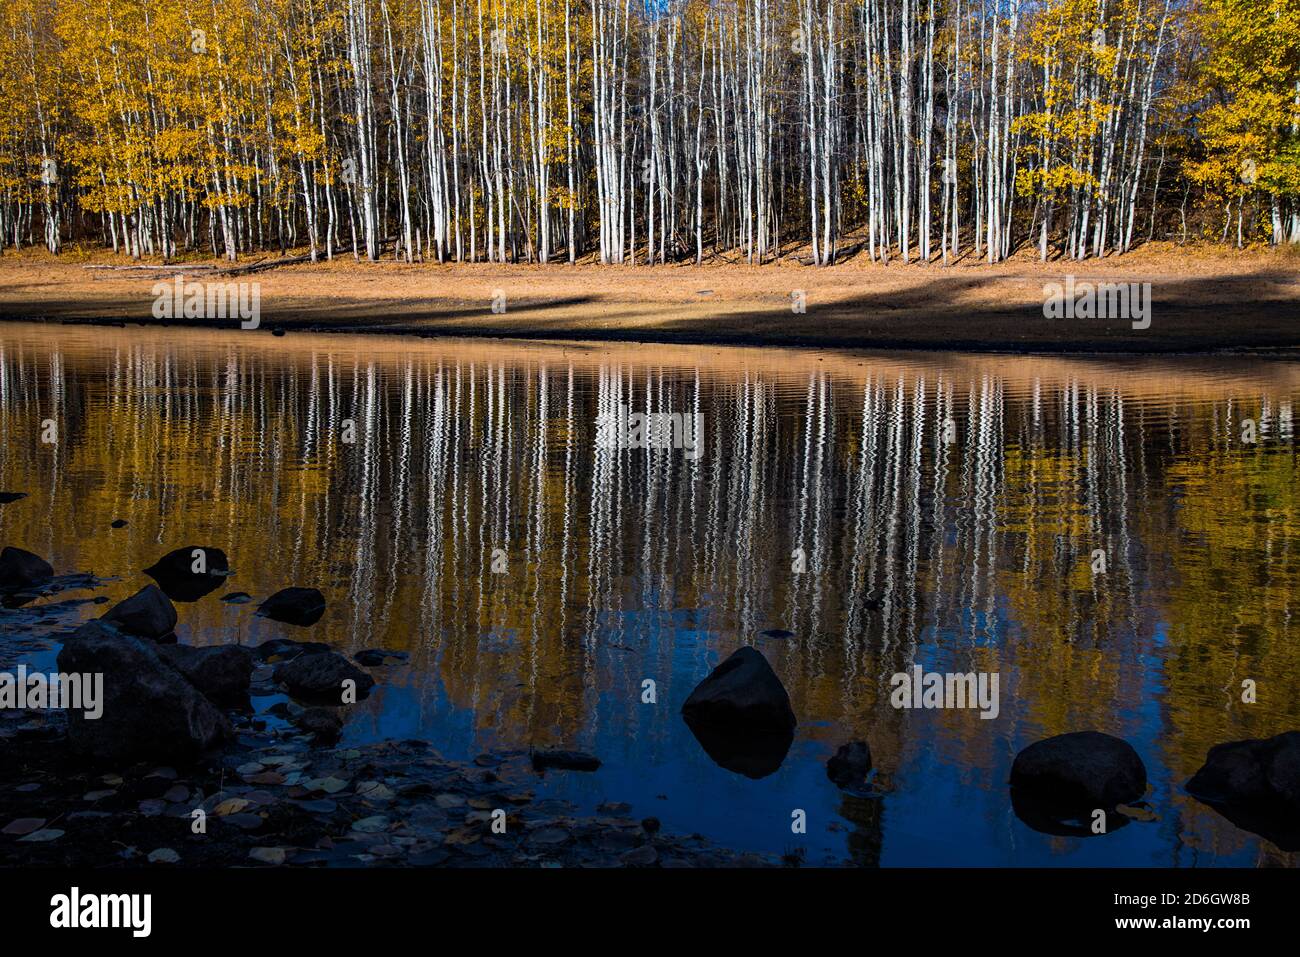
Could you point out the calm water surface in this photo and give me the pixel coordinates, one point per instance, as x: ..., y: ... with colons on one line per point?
x: 975, y: 539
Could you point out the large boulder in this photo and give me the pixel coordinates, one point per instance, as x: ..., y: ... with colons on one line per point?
x: 294, y: 606
x: 743, y: 692
x: 1064, y: 779
x: 319, y: 677
x: 741, y: 715
x: 22, y: 569
x: 221, y: 672
x: 150, y: 711
x: 147, y: 614
x: 1255, y: 784
x: 190, y: 572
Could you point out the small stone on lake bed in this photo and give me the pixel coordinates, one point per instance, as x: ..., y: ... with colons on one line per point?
x: 548, y: 836
x: 371, y: 825
x: 98, y: 795
x: 642, y: 856
x: 23, y: 825
x: 322, y: 806
x: 43, y: 835
x: 265, y: 777
x: 164, y: 855
x: 176, y: 793
x: 268, y: 855
x: 374, y: 790
x: 244, y: 821
x: 449, y: 800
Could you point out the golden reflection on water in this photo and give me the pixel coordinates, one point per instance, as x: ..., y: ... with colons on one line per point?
x: 626, y: 564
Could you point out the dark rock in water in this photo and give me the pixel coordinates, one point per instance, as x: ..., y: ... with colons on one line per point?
x: 149, y: 710
x: 190, y: 572
x: 146, y: 614
x: 287, y: 648
x: 22, y: 569
x: 325, y: 723
x: 1047, y: 818
x: 221, y: 672
x: 7, y: 497
x: 237, y: 598
x: 754, y: 753
x: 294, y: 606
x: 741, y: 715
x: 1067, y: 777
x: 371, y: 657
x: 850, y: 766
x: 778, y: 633
x: 744, y: 692
x: 565, y: 761
x: 1255, y: 784
x: 118, y: 523
x: 320, y: 676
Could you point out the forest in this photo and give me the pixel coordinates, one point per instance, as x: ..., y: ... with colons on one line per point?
x: 648, y: 131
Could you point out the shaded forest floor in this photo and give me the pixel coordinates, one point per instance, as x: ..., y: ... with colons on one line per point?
x: 1203, y: 299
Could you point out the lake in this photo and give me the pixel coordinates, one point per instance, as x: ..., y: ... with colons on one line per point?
x: 1116, y: 539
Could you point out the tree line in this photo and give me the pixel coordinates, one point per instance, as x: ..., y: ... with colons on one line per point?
x: 648, y: 131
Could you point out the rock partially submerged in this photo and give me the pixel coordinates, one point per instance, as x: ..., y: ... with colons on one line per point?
x: 743, y: 691
x: 565, y: 760
x: 294, y: 606
x: 149, y: 710
x: 1255, y: 784
x: 23, y: 569
x: 741, y: 715
x: 147, y: 614
x: 221, y: 672
x: 1059, y: 782
x: 284, y: 649
x: 320, y: 677
x: 325, y: 724
x: 371, y: 657
x: 850, y: 766
x: 190, y: 572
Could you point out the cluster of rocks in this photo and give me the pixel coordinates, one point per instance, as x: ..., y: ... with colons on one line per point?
x: 742, y: 717
x: 167, y: 702
x: 277, y: 799
x: 178, y: 742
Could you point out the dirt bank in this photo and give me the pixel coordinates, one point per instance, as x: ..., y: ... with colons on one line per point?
x: 1201, y: 300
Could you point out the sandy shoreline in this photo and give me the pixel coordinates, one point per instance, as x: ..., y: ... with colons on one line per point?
x: 1200, y: 301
